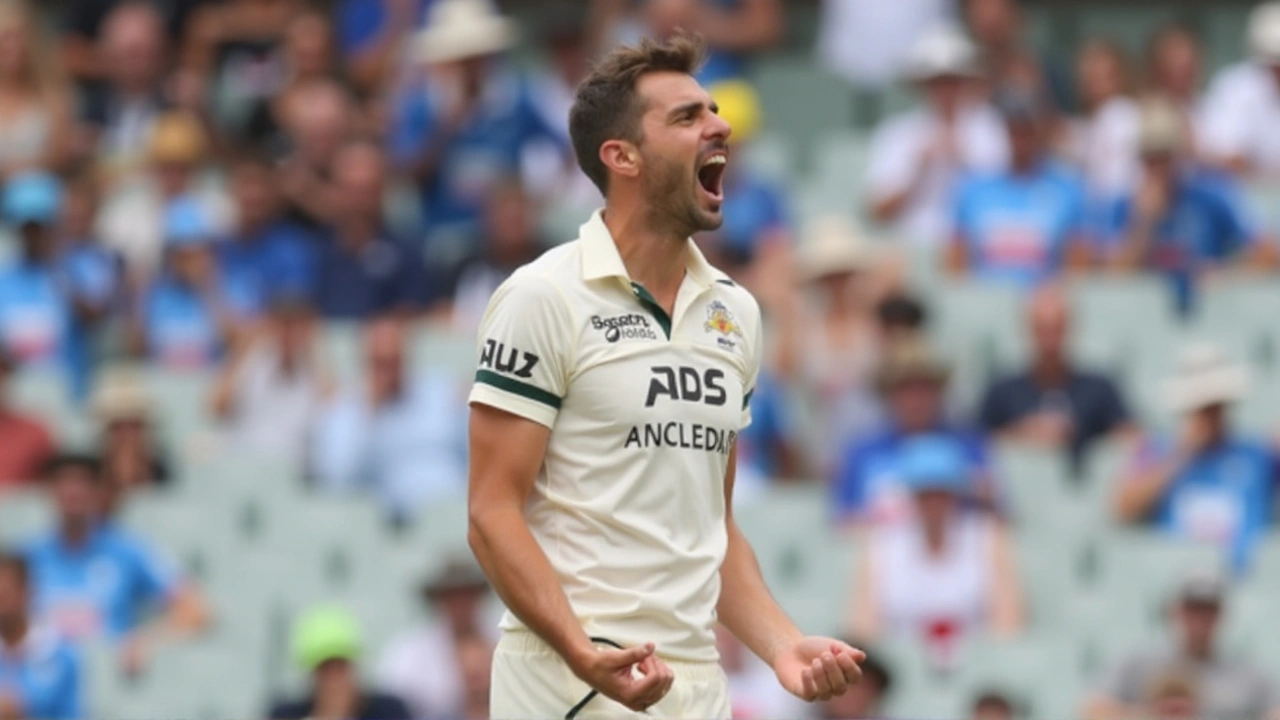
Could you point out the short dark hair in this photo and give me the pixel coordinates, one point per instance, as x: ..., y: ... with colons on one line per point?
x: 11, y: 562
x: 607, y: 106
x: 902, y: 310
x: 73, y: 461
x: 997, y: 700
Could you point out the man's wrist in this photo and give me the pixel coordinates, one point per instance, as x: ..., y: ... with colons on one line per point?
x: 779, y: 644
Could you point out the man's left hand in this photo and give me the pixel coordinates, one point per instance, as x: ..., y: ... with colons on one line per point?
x: 818, y: 668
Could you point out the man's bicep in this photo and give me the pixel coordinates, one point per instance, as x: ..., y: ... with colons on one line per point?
x: 507, y: 451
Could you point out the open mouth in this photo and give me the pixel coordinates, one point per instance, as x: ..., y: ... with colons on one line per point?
x: 711, y: 175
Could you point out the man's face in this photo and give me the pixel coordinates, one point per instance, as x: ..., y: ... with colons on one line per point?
x: 992, y: 21
x: 359, y: 175
x: 292, y: 332
x: 1214, y: 419
x: 916, y: 403
x: 384, y: 355
x: 1160, y: 166
x: 1026, y: 141
x: 37, y: 243
x: 683, y: 151
x: 255, y: 194
x: 1199, y: 623
x: 1049, y: 332
x: 173, y: 177
x: 945, y: 93
x: 935, y: 506
x: 191, y: 265
x: 1178, y: 64
x: 510, y: 222
x: 135, y: 51
x: 76, y: 495
x: 461, y: 608
x: 992, y: 711
x: 335, y: 674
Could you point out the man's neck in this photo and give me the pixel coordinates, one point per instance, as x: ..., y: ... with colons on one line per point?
x: 357, y: 234
x: 75, y: 534
x: 655, y: 257
x: 1050, y: 372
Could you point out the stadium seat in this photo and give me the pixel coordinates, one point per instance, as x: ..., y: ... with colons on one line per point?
x: 1148, y: 566
x: 771, y: 156
x: 803, y: 100
x: 24, y: 513
x: 47, y: 395
x: 340, y: 347
x: 181, y: 403
x: 838, y: 168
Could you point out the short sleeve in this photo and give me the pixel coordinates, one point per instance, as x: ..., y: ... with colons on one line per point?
x: 524, y: 350
x: 156, y: 579
x: 996, y: 412
x: 754, y: 361
x: 1228, y: 121
x: 893, y: 159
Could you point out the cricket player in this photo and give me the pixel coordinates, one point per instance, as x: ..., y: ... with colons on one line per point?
x: 614, y: 376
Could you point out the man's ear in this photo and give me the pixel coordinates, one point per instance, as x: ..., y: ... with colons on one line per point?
x: 621, y: 157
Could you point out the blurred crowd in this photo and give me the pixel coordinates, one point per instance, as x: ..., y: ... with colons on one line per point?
x: 204, y: 186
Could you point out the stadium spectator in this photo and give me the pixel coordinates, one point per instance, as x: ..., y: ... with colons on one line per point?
x: 868, y: 486
x: 475, y: 663
x: 235, y: 48
x: 423, y: 665
x: 265, y: 250
x: 1173, y: 697
x: 868, y: 42
x: 27, y: 444
x: 1244, y: 99
x: 510, y: 239
x: 827, y: 344
x: 35, y: 129
x: 902, y: 318
x: 463, y: 124
x: 866, y: 699
x: 945, y: 572
x: 327, y: 644
x: 734, y: 29
x: 274, y: 383
x: 190, y: 313
x: 1223, y: 686
x: 133, y: 216
x: 1103, y: 143
x: 543, y: 167
x: 127, y: 95
x: 401, y: 437
x: 993, y: 705
x: 308, y: 57
x: 132, y: 458
x: 918, y: 157
x: 92, y: 580
x: 364, y: 270
x: 1185, y: 222
x: 86, y: 22
x: 371, y: 35
x: 753, y: 690
x: 318, y: 121
x: 1025, y: 225
x: 93, y: 276
x: 998, y: 27
x: 41, y: 675
x: 1175, y: 67
x: 1210, y: 483
x: 1053, y: 403
x: 35, y: 310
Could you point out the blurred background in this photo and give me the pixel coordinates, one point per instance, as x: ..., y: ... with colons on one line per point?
x: 1017, y: 433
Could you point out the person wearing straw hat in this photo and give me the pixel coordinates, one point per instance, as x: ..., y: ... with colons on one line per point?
x: 613, y: 376
x: 1209, y: 483
x: 132, y: 459
x: 1182, y: 221
x: 422, y: 665
x: 466, y: 126
x: 917, y: 157
x: 1242, y: 102
x: 327, y: 644
x: 867, y: 484
x: 830, y: 343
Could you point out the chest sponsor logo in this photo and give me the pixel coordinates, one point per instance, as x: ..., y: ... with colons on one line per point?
x: 631, y: 326
x: 721, y: 322
x: 686, y: 385
x: 499, y: 357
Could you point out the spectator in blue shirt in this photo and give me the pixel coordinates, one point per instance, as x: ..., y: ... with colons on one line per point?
x: 1208, y: 484
x: 191, y: 313
x: 1183, y: 221
x: 35, y: 311
x: 92, y: 580
x: 465, y: 128
x: 370, y: 33
x: 40, y: 673
x: 265, y: 253
x: 364, y: 271
x: 868, y: 486
x: 1026, y: 224
x: 400, y: 437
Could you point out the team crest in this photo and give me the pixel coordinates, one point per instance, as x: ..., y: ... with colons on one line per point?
x: 720, y: 320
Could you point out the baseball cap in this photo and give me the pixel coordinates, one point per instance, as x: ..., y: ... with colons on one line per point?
x: 325, y: 633
x: 942, y: 51
x: 187, y: 224
x: 934, y: 462
x: 32, y: 197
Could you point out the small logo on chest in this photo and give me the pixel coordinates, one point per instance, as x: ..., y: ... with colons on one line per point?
x: 722, y: 322
x: 631, y: 326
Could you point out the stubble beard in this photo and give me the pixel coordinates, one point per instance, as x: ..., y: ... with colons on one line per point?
x: 673, y: 204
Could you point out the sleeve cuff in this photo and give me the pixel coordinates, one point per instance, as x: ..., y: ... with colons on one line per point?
x: 515, y: 397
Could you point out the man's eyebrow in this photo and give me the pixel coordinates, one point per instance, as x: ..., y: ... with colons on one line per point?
x: 688, y: 108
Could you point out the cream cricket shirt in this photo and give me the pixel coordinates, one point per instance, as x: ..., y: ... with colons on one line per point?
x: 629, y: 506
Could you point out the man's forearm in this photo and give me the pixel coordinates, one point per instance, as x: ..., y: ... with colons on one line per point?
x: 746, y: 607
x: 524, y: 579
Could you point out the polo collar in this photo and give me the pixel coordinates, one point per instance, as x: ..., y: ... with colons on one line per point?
x: 600, y: 257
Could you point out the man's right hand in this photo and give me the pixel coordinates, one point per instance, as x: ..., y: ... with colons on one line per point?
x: 609, y: 671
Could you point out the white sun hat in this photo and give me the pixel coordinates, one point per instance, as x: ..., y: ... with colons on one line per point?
x: 942, y: 51
x: 1264, y: 33
x: 833, y: 245
x: 1206, y: 376
x: 460, y: 29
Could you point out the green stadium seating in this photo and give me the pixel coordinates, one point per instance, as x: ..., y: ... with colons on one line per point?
x: 46, y: 395
x: 24, y: 513
x: 803, y: 100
